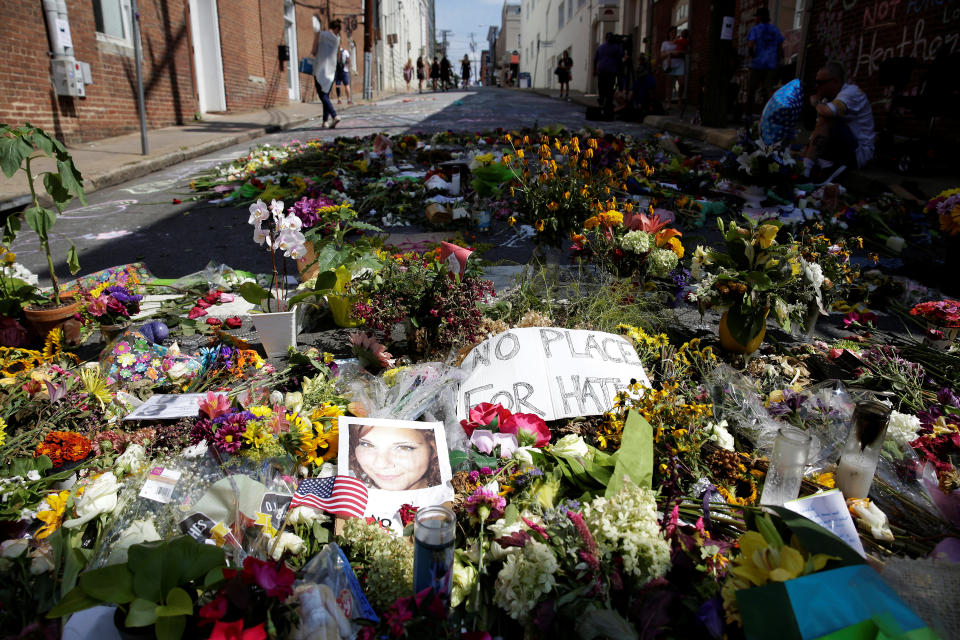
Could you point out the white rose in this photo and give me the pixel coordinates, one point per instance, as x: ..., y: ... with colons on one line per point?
x: 903, y: 427
x: 178, y: 373
x: 288, y: 542
x: 523, y: 456
x: 138, y: 531
x: 14, y: 548
x: 571, y: 445
x: 306, y: 515
x: 99, y: 497
x: 719, y: 434
x: 131, y: 460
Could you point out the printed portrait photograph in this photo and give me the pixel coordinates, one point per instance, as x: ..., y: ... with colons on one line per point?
x: 392, y: 455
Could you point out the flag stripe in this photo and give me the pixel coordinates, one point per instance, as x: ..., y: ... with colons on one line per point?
x: 340, y: 495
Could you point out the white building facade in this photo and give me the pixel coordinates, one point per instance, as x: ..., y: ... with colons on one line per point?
x: 406, y: 31
x: 508, y: 38
x: 550, y: 27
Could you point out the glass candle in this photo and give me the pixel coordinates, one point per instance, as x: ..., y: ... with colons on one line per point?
x: 786, y: 466
x: 858, y: 462
x: 433, y: 534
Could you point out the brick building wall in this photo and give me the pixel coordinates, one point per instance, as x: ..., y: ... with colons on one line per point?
x: 250, y: 31
x: 699, y: 25
x: 110, y: 107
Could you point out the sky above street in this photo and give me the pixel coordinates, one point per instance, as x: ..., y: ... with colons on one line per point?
x: 464, y: 17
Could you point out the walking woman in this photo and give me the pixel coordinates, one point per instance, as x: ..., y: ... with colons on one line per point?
x: 421, y: 74
x: 326, y: 45
x: 465, y: 71
x: 408, y: 73
x: 563, y: 73
x: 435, y: 73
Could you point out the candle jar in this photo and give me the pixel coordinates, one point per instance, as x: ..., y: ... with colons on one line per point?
x: 861, y: 452
x: 433, y: 534
x: 787, y: 461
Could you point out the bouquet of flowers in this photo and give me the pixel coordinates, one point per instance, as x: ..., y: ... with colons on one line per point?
x: 751, y: 278
x: 942, y: 313
x: 109, y: 304
x: 947, y: 207
x: 629, y: 245
x: 758, y: 163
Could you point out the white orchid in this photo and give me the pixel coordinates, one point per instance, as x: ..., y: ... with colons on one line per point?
x: 259, y: 213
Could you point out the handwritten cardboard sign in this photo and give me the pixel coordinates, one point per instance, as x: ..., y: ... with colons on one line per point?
x: 552, y: 372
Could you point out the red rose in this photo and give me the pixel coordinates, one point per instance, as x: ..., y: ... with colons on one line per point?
x: 214, y: 322
x: 176, y: 201
x: 234, y: 322
x: 196, y: 312
x: 213, y: 297
x: 484, y: 416
x: 531, y: 424
x: 203, y: 304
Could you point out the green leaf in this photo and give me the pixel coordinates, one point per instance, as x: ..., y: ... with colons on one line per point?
x: 511, y: 514
x: 54, y: 186
x: 73, y: 260
x: 13, y: 151
x: 253, y: 293
x: 170, y: 628
x: 213, y: 578
x: 745, y: 324
x: 635, y: 456
x: 10, y: 229
x: 178, y: 604
x: 143, y: 613
x: 71, y: 178
x: 457, y: 459
x: 75, y: 600
x: 147, y: 566
x: 364, y: 226
x: 113, y: 583
x: 759, y: 280
x: 40, y: 220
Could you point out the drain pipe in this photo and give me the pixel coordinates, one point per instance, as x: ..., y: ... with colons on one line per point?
x: 58, y: 28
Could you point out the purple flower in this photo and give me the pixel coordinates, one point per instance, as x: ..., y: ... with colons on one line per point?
x: 485, y: 504
x: 710, y: 616
x: 123, y: 295
x: 201, y: 430
x: 947, y: 397
x: 228, y: 437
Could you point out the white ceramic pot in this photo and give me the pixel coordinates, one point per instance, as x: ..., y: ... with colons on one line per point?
x: 278, y: 329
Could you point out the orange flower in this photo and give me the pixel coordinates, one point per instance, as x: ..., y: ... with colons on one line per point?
x: 511, y: 221
x: 539, y: 224
x: 591, y: 222
x: 553, y: 206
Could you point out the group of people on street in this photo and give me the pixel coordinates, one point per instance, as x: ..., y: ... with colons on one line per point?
x: 436, y: 73
x: 624, y: 86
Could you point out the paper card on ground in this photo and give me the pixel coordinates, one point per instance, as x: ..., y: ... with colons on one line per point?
x: 165, y: 406
x: 552, y: 372
x: 829, y: 510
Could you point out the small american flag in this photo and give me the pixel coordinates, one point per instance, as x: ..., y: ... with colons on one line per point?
x: 340, y: 495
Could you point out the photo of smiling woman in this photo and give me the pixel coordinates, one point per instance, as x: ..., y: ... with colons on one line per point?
x: 394, y: 458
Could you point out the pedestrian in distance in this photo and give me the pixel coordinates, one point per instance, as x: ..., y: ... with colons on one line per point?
x: 326, y: 45
x: 606, y: 67
x: 421, y: 73
x: 465, y: 71
x: 343, y: 75
x: 444, y: 72
x: 766, y: 51
x: 563, y: 73
x: 408, y: 73
x: 435, y: 73
x: 672, y: 61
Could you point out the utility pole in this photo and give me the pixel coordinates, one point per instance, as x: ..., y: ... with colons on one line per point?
x: 443, y: 34
x: 368, y: 49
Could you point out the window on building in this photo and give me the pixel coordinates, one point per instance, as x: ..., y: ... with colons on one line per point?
x: 112, y: 18
x: 560, y: 15
x: 681, y: 15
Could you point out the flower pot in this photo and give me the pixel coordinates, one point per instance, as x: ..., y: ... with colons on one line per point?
x: 729, y: 343
x: 341, y: 307
x: 940, y: 344
x: 810, y: 324
x: 111, y: 332
x: 277, y: 329
x: 43, y: 321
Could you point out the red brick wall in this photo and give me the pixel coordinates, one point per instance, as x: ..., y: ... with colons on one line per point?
x: 110, y: 108
x: 250, y: 31
x: 699, y: 25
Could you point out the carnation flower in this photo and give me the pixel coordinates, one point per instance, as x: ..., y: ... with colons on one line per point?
x: 485, y: 504
x: 903, y: 426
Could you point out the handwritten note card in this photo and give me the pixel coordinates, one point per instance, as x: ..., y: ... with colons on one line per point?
x: 829, y: 510
x: 552, y: 372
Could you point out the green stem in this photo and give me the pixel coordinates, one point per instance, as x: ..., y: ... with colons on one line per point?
x: 45, y: 242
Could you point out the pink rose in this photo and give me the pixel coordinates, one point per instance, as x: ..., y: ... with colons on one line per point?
x: 485, y: 415
x: 531, y: 424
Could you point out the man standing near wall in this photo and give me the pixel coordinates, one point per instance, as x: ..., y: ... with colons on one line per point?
x: 606, y: 66
x: 766, y: 52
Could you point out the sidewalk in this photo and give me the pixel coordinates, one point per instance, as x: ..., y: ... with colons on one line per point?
x: 720, y: 137
x: 111, y: 161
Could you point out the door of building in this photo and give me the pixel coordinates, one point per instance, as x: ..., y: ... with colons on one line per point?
x: 290, y: 29
x: 205, y: 32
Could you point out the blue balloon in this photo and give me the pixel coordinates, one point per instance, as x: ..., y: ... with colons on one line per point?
x: 781, y: 113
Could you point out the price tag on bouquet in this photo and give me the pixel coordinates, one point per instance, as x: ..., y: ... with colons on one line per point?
x: 160, y: 484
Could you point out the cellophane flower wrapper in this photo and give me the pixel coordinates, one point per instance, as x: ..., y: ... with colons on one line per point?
x: 278, y: 476
x: 426, y: 390
x: 138, y: 518
x: 330, y: 567
x: 735, y: 400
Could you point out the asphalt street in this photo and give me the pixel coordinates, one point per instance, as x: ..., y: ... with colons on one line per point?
x: 140, y: 221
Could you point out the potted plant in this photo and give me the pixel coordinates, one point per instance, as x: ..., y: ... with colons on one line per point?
x: 19, y: 148
x: 157, y: 587
x: 749, y: 280
x: 110, y: 306
x: 943, y: 322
